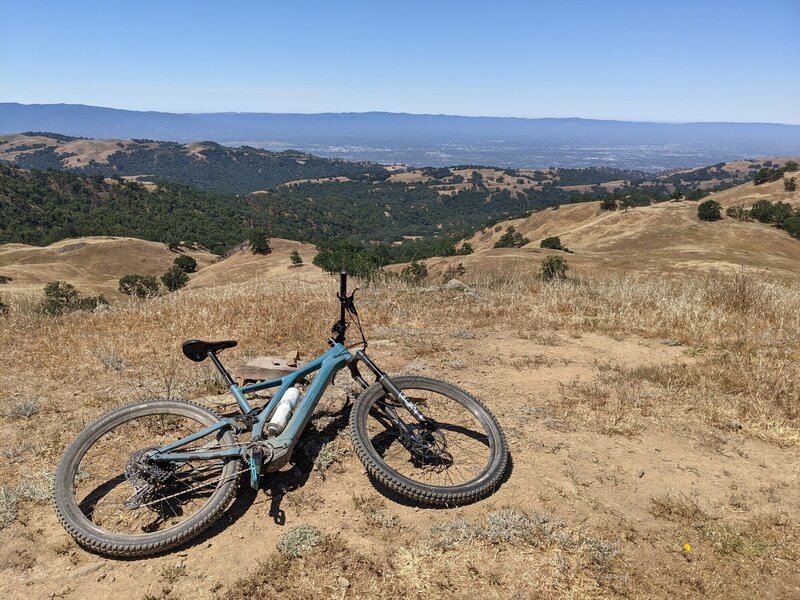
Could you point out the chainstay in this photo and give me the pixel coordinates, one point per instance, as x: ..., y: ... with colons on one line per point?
x: 203, y: 485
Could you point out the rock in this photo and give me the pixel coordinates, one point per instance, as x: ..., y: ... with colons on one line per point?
x: 640, y: 473
x: 671, y: 343
x: 735, y: 425
x: 101, y: 308
x: 455, y: 284
x: 344, y: 582
x: 87, y: 570
x: 292, y: 358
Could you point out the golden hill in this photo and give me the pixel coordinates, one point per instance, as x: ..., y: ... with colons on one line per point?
x: 95, y: 264
x: 92, y: 264
x: 242, y: 265
x: 662, y: 238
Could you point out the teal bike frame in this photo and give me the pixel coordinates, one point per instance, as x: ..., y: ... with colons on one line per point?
x: 328, y: 364
x: 275, y: 451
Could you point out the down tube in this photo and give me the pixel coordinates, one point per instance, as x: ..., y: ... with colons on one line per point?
x: 299, y: 420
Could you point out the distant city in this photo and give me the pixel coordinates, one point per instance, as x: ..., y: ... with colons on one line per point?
x: 429, y: 140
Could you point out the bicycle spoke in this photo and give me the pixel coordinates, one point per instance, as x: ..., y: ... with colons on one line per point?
x: 172, y: 497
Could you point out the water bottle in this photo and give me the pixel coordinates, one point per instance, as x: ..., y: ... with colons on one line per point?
x: 283, y: 412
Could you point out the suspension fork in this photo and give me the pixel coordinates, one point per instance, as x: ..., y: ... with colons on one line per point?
x: 390, y: 388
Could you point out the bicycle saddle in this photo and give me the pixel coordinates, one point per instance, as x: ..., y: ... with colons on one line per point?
x: 197, y: 350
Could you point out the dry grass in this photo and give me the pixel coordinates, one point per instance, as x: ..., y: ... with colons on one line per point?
x: 510, y: 556
x: 740, y: 336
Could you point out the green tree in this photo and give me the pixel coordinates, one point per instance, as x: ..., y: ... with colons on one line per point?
x: 608, y: 203
x: 792, y: 225
x: 553, y: 267
x: 709, y: 211
x: 174, y: 279
x: 551, y: 243
x: 790, y: 184
x: 186, y: 263
x: 296, y: 259
x: 465, y: 249
x: 791, y: 166
x: 141, y: 286
x: 763, y: 210
x: 259, y: 242
x: 511, y: 239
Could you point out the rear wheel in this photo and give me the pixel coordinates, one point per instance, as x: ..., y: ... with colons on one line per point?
x: 113, y: 499
x: 458, y: 458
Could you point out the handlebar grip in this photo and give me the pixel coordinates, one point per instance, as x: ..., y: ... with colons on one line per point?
x: 343, y: 283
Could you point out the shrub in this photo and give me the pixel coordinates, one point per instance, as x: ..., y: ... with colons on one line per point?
x: 551, y: 243
x: 790, y: 184
x: 141, y: 286
x: 174, y: 279
x: 186, y: 263
x: 453, y: 272
x: 415, y: 272
x: 5, y: 279
x: 511, y: 239
x: 791, y: 166
x: 3, y: 307
x: 91, y: 303
x: 59, y: 297
x: 259, y: 242
x: 709, y: 211
x: 296, y: 259
x: 738, y: 212
x: 465, y: 249
x: 554, y: 267
x: 608, y: 203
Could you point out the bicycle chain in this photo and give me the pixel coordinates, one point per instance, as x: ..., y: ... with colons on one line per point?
x: 220, y: 480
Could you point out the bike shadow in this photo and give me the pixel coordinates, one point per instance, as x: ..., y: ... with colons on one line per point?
x: 325, y: 426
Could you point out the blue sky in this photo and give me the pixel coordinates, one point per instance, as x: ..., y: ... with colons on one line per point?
x: 675, y: 61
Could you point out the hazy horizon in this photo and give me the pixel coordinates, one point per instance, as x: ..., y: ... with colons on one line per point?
x: 378, y: 111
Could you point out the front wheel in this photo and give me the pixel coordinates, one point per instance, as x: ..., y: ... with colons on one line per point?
x: 458, y: 457
x: 115, y: 500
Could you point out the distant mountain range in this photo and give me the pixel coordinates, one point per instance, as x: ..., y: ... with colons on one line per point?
x: 429, y: 140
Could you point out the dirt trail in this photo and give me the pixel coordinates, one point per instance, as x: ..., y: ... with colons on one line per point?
x: 599, y: 482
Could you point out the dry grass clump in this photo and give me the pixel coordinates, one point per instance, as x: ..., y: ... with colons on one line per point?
x: 374, y: 510
x: 21, y: 409
x: 300, y: 540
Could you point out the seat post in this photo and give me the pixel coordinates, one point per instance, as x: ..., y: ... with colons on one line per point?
x: 222, y: 370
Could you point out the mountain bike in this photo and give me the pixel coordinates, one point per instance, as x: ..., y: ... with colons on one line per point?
x: 147, y: 477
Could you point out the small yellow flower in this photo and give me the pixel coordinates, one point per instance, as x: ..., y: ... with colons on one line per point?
x: 687, y: 547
